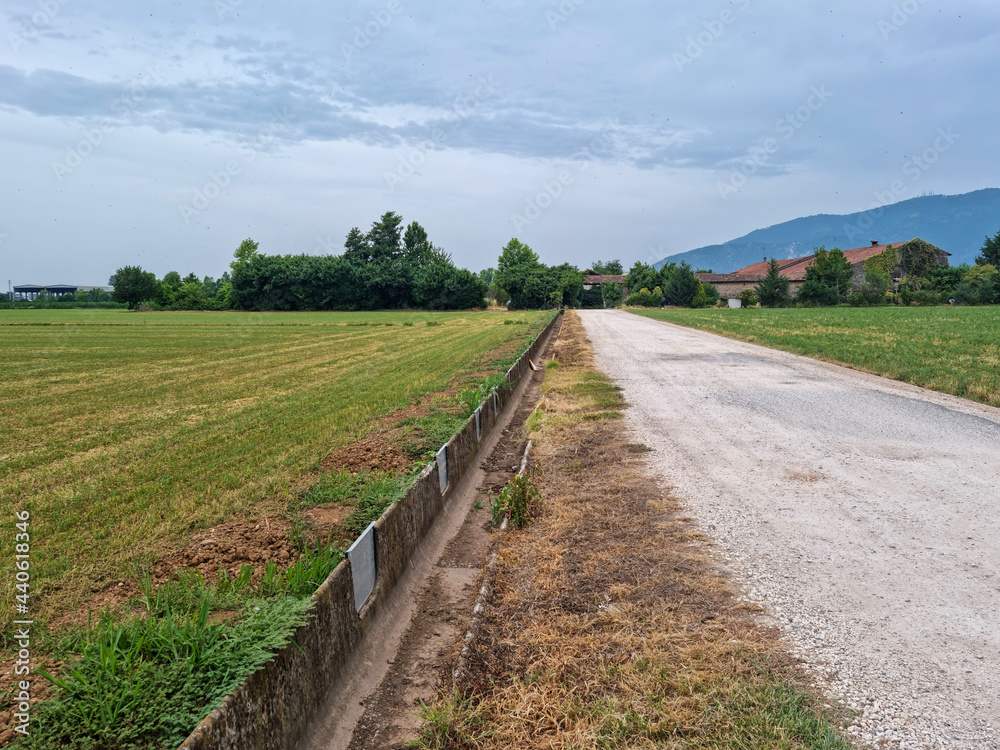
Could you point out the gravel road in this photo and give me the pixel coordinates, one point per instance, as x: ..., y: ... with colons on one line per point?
x: 862, y: 513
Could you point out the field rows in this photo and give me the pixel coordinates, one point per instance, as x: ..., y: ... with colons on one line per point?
x: 122, y: 439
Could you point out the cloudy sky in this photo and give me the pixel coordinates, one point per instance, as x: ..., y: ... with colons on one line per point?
x: 163, y: 133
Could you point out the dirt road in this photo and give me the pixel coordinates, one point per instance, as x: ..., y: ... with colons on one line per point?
x: 862, y: 513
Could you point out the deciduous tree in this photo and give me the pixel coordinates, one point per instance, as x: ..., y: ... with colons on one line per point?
x: 133, y: 285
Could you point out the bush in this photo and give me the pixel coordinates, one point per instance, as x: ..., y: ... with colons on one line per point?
x: 927, y: 298
x: 816, y: 292
x: 748, y: 298
x: 874, y: 287
x: 857, y: 299
x: 645, y: 298
x: 611, y: 294
x: 905, y: 295
x: 699, y: 296
x: 967, y: 294
x: 711, y: 294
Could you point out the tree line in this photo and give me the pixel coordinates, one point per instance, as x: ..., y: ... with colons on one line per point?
x: 388, y: 268
x: 382, y: 269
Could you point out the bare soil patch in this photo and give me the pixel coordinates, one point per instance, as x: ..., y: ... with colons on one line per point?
x: 374, y: 452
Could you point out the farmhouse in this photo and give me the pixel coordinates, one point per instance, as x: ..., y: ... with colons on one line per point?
x: 591, y: 279
x: 794, y: 269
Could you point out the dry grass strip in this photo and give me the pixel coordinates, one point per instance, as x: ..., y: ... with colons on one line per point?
x: 608, y: 627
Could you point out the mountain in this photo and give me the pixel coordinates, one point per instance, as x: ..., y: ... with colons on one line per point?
x: 957, y: 224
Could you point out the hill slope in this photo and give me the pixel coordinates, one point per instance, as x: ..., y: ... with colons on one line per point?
x: 957, y: 224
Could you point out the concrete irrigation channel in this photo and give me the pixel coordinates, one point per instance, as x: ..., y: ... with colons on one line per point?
x: 863, y: 514
x: 408, y: 649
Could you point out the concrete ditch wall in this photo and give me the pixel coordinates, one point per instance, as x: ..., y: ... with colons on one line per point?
x: 272, y: 709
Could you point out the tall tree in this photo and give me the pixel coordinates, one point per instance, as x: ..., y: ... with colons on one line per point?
x: 642, y: 276
x: 772, y: 291
x: 683, y: 287
x: 528, y: 283
x: 829, y: 278
x: 246, y: 250
x: 989, y: 255
x: 133, y: 285
x: 385, y: 235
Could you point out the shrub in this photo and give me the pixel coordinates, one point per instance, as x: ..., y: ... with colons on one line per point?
x: 905, y: 295
x: 874, y: 287
x: 817, y: 292
x: 699, y: 296
x: 645, y: 298
x: 967, y: 294
x: 611, y: 294
x: 927, y: 298
x: 748, y: 297
x: 711, y: 294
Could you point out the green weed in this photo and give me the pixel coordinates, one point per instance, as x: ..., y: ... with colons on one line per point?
x: 518, y: 501
x: 148, y: 680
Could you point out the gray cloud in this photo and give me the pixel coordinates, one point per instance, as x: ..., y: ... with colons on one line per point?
x: 674, y: 97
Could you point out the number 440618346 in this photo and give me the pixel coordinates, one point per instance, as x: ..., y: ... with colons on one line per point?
x: 22, y: 547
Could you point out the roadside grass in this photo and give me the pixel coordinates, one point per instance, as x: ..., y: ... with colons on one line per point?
x: 954, y: 350
x: 608, y: 626
x: 125, y: 433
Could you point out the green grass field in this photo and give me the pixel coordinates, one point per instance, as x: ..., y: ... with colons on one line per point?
x: 950, y: 349
x: 123, y: 432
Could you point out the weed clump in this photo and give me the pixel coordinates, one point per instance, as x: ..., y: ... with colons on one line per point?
x: 519, y: 501
x: 472, y: 398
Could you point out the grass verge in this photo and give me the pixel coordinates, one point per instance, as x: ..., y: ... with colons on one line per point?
x: 954, y: 350
x: 147, y: 679
x: 609, y: 627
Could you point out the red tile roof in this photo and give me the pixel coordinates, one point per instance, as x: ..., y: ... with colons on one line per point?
x: 728, y: 278
x: 795, y: 268
x: 602, y: 278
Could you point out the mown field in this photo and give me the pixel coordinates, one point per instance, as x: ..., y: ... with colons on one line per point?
x: 955, y: 350
x: 123, y: 433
